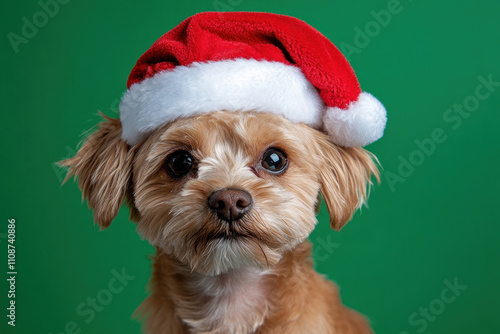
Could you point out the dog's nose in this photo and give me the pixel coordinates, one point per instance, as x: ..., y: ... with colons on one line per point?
x: 230, y: 204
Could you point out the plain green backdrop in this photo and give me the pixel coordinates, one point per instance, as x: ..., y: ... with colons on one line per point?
x: 433, y: 221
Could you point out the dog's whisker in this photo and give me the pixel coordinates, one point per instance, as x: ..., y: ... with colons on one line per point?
x: 264, y: 253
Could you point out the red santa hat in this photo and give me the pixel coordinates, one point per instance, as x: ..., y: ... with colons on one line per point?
x: 240, y: 61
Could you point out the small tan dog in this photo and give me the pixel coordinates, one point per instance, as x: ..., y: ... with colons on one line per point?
x: 230, y: 127
x: 228, y: 199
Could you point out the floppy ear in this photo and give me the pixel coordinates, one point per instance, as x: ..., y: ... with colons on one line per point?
x: 345, y: 176
x: 103, y: 166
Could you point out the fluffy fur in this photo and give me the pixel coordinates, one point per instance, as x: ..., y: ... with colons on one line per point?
x: 259, y: 277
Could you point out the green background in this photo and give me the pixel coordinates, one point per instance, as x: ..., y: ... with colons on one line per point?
x: 434, y: 221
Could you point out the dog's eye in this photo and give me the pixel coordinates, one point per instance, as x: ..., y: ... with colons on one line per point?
x: 274, y: 160
x: 179, y: 163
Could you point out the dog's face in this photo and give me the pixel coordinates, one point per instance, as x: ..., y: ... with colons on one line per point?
x: 223, y: 190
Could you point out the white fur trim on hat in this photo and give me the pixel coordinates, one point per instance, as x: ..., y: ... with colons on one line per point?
x: 239, y: 85
x: 362, y: 123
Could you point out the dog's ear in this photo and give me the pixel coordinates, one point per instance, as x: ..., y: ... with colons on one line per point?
x: 103, y: 166
x: 345, y: 176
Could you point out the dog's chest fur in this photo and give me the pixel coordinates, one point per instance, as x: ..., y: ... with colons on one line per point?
x: 231, y: 303
x: 247, y: 301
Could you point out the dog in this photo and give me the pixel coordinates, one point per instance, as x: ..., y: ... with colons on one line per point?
x: 228, y: 200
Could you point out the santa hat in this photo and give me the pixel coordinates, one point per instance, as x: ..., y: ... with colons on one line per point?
x: 240, y: 61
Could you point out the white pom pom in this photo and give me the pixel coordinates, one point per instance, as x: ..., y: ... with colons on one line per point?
x: 359, y: 125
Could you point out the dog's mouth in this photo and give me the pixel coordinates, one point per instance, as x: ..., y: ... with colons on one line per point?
x: 230, y: 232
x: 233, y: 236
